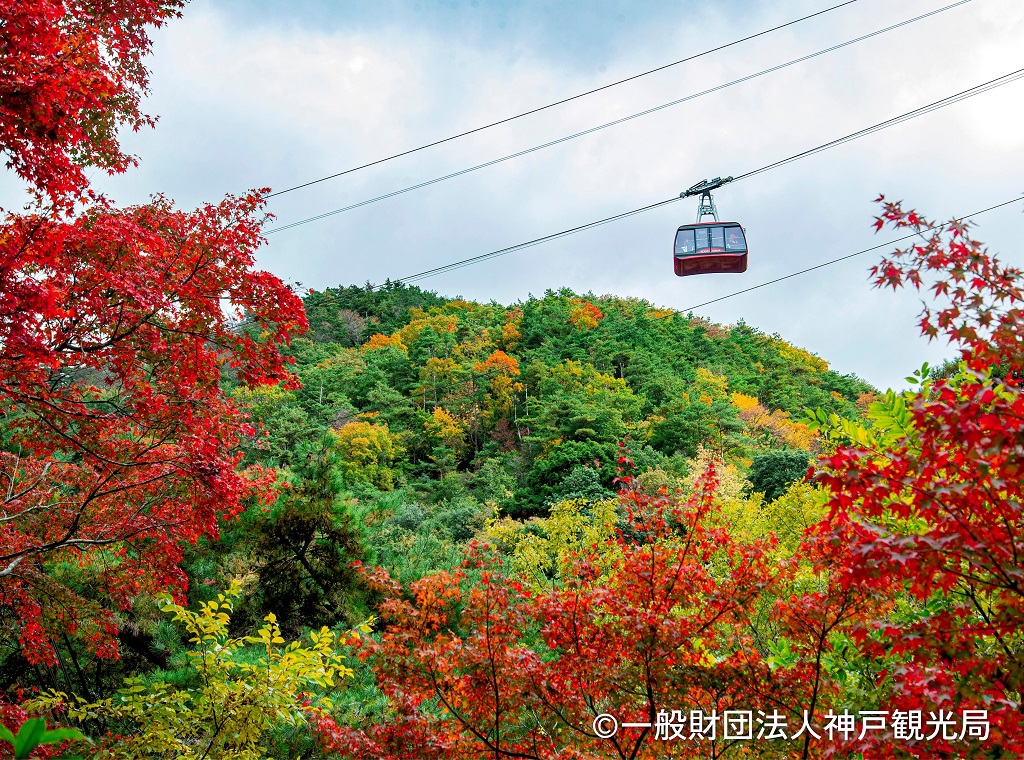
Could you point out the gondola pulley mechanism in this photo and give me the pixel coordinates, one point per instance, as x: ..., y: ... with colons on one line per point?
x: 707, y: 247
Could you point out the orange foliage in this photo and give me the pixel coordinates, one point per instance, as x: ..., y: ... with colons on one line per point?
x: 865, y: 400
x: 510, y: 334
x: 499, y: 362
x: 501, y: 400
x: 385, y: 341
x: 776, y: 424
x: 585, y: 316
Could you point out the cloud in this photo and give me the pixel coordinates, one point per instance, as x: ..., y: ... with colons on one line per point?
x: 265, y: 93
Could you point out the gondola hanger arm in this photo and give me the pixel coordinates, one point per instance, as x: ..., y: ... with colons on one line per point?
x: 704, y: 186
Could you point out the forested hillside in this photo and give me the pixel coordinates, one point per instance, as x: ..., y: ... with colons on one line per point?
x: 426, y: 393
x: 434, y: 416
x: 382, y: 524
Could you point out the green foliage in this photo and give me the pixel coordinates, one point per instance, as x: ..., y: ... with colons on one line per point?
x: 415, y: 538
x: 348, y: 315
x: 773, y: 473
x: 542, y: 551
x: 584, y: 483
x: 33, y: 733
x: 241, y: 688
x: 685, y: 427
x: 301, y: 549
x: 889, y: 419
x: 545, y: 389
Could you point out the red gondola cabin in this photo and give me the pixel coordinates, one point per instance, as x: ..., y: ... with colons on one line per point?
x: 707, y: 247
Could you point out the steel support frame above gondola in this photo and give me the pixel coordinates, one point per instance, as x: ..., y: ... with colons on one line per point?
x: 709, y: 247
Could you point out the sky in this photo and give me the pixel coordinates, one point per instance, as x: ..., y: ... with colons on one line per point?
x: 263, y: 93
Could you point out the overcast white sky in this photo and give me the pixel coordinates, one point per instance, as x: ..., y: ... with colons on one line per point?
x: 272, y: 93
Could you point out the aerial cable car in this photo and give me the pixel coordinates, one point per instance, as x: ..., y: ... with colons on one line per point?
x: 706, y: 247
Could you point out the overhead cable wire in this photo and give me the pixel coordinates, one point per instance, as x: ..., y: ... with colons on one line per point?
x: 934, y: 106
x: 822, y: 265
x: 591, y: 130
x: 537, y: 241
x: 960, y: 96
x: 564, y: 100
x: 849, y: 256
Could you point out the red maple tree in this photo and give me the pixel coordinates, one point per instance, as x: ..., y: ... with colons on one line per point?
x: 475, y: 665
x: 71, y: 74
x: 936, y: 516
x: 117, y: 444
x: 121, y: 443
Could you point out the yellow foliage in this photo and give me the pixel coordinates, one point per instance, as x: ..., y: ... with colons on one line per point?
x: 475, y: 345
x: 541, y: 552
x: 244, y: 687
x: 776, y: 424
x: 260, y: 399
x: 367, y: 451
x: 420, y: 321
x: 804, y: 360
x: 573, y: 377
x: 385, y: 341
x: 731, y: 482
x: 440, y: 319
x: 585, y: 316
x: 711, y: 386
x: 501, y: 399
x: 749, y: 518
x: 444, y: 430
x: 436, y: 367
x: 787, y: 517
x: 660, y: 313
x: 745, y: 403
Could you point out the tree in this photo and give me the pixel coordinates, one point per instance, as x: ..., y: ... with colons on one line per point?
x: 773, y: 427
x: 931, y: 503
x: 367, y: 452
x: 447, y: 439
x: 71, y: 74
x: 501, y: 369
x: 118, y: 444
x: 122, y: 443
x: 585, y: 315
x: 700, y: 416
x: 302, y: 547
x: 233, y: 699
x: 475, y: 664
x: 773, y: 472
